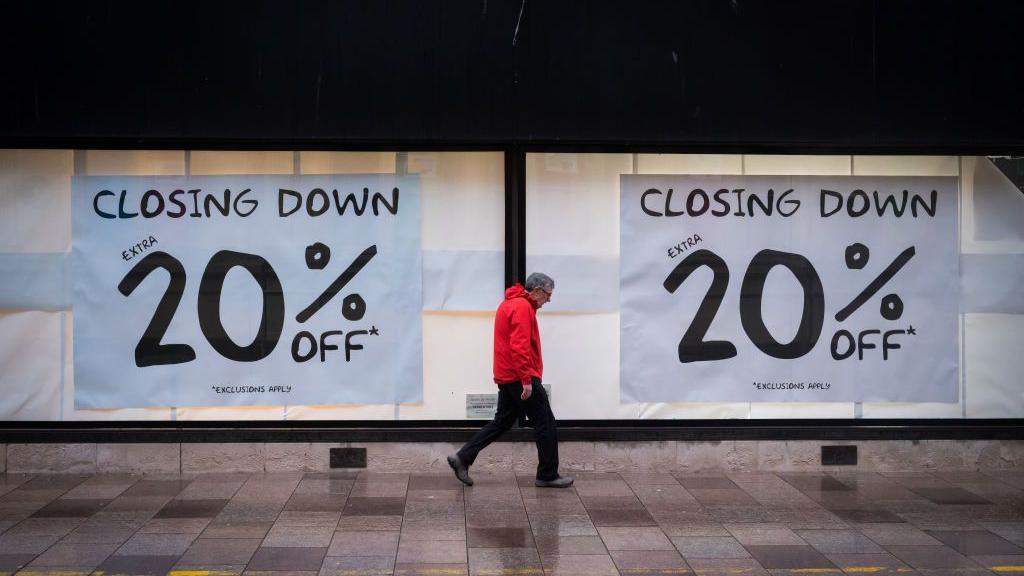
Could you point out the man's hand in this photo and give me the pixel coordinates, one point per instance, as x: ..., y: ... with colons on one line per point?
x: 527, y: 391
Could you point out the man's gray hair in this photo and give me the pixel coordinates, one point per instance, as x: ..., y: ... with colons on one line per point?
x: 539, y: 280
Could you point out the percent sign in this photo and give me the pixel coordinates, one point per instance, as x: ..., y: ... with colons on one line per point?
x: 353, y: 306
x: 857, y: 256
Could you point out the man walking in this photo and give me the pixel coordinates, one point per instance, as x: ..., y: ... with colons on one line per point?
x: 518, y: 369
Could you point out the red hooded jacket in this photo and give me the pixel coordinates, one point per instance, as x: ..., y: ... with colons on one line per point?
x: 517, y: 354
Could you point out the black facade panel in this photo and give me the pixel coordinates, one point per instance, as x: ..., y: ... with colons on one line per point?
x: 755, y: 74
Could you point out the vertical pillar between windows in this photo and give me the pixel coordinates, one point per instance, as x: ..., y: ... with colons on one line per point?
x: 515, y: 215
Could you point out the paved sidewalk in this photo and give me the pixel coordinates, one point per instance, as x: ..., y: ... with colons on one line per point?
x: 350, y: 524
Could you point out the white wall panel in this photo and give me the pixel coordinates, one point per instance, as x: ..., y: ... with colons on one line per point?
x: 689, y: 164
x: 572, y: 203
x: 68, y: 410
x: 134, y: 162
x: 463, y: 199
x: 235, y: 162
x: 785, y: 165
x: 231, y: 413
x: 457, y: 360
x: 35, y: 200
x: 905, y: 166
x: 994, y: 365
x: 694, y: 410
x: 992, y: 220
x: 581, y: 363
x: 911, y: 410
x: 319, y: 162
x: 31, y: 365
x: 783, y: 410
x: 341, y: 412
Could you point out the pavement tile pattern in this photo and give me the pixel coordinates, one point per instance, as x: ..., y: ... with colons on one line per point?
x: 349, y: 523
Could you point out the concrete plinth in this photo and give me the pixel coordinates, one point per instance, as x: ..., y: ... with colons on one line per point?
x: 223, y: 457
x: 664, y: 456
x: 56, y: 458
x: 138, y: 458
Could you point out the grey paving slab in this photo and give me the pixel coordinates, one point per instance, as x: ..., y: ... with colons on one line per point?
x: 580, y: 565
x: 649, y: 562
x: 175, y: 526
x: 324, y: 486
x: 220, y: 551
x: 500, y: 537
x: 137, y: 565
x: 315, y: 502
x: 62, y: 482
x: 156, y: 545
x: 634, y: 538
x: 874, y: 563
x: 570, y: 545
x: 299, y: 536
x: 976, y: 542
x: 509, y: 560
x: 621, y: 517
x: 448, y: 551
x: 155, y: 487
x: 83, y: 555
x: 148, y: 504
x: 1002, y: 564
x: 367, y: 566
x: 932, y: 557
x: 240, y: 530
x: 101, y: 531
x: 45, y: 526
x: 62, y: 507
x: 420, y: 569
x: 500, y: 518
x: 949, y: 495
x: 840, y: 542
x: 374, y: 506
x: 287, y: 559
x: 789, y: 557
x: 757, y: 534
x: 726, y: 567
x: 206, y: 569
x: 310, y: 518
x: 192, y: 508
x: 357, y: 523
x: 691, y: 529
x: 706, y: 482
x: 709, y: 547
x: 728, y: 513
x: 10, y: 563
x: 897, y: 535
x: 14, y: 544
x: 562, y: 525
x: 250, y: 511
x: 872, y: 515
x: 1012, y: 531
x: 368, y: 543
x: 447, y: 529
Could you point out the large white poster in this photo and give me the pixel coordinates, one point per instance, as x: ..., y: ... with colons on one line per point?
x: 246, y: 290
x: 803, y: 289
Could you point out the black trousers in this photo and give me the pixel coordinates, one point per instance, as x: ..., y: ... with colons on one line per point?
x: 510, y: 407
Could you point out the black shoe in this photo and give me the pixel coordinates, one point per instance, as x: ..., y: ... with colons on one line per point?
x: 560, y: 482
x: 461, y: 472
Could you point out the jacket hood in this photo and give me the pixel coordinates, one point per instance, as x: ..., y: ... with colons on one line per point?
x: 515, y: 291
